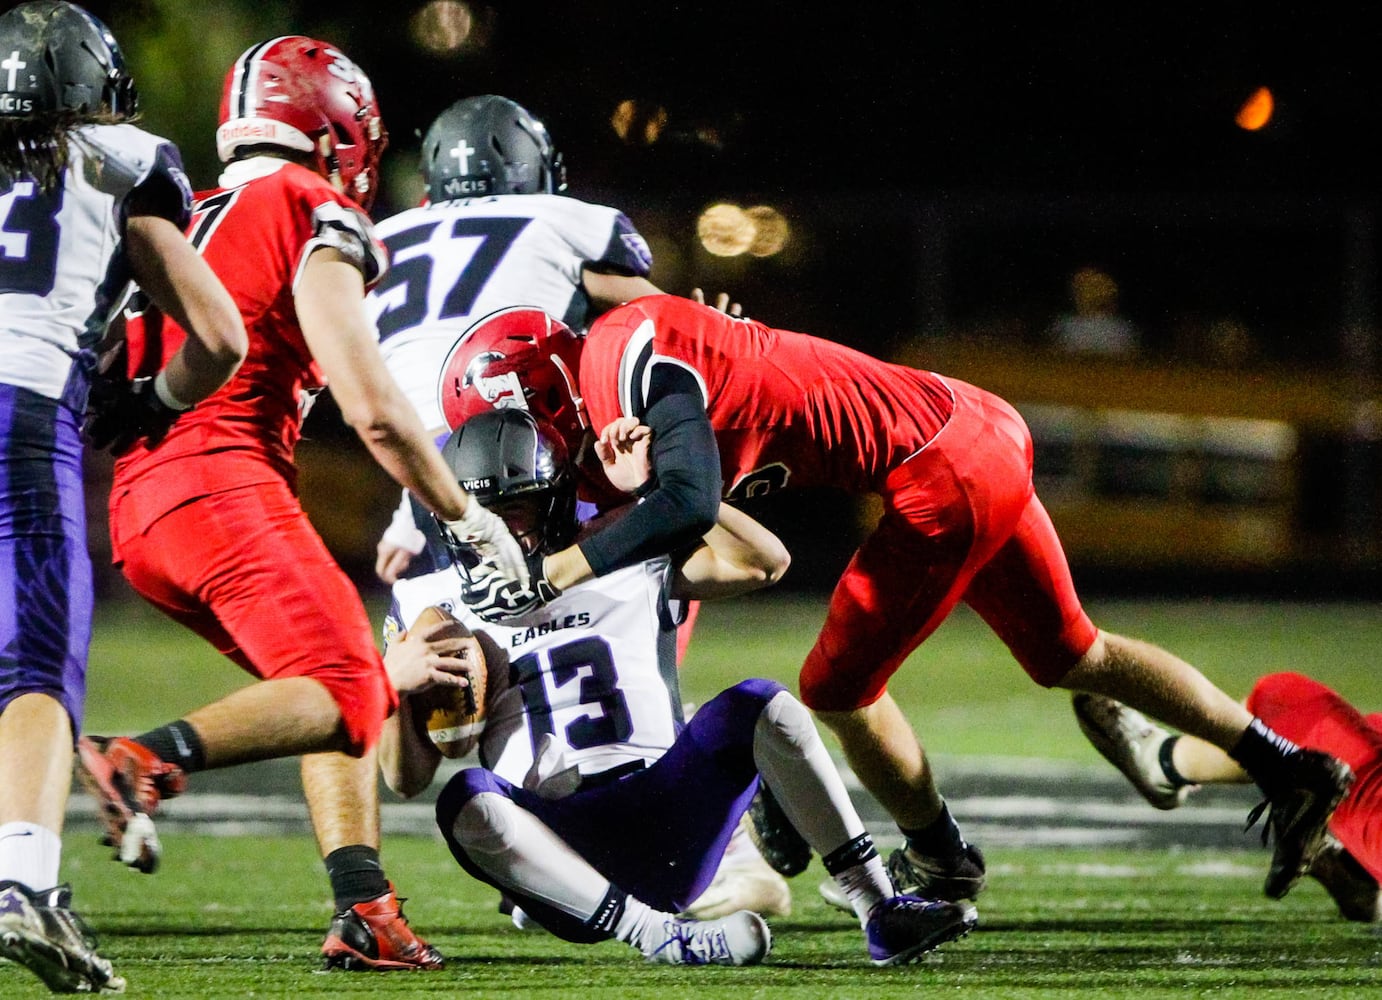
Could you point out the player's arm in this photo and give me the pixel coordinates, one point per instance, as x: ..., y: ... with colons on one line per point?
x: 607, y: 290
x: 738, y: 555
x: 682, y: 500
x: 329, y: 301
x: 407, y: 758
x: 180, y: 283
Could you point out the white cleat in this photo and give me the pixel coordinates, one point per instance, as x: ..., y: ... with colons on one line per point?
x: 741, y: 938
x: 1132, y: 743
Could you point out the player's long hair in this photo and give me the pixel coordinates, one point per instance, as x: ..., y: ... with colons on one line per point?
x: 36, y: 147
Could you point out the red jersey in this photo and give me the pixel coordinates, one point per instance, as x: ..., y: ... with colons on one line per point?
x: 786, y: 408
x: 256, y: 233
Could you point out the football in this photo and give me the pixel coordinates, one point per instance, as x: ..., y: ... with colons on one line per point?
x: 453, y: 717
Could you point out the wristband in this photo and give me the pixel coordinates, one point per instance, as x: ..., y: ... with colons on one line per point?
x: 165, y: 394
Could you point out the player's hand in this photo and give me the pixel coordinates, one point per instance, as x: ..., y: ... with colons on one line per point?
x: 622, y: 449
x: 494, y: 597
x: 426, y: 657
x: 391, y: 561
x: 120, y: 412
x: 485, y: 533
x: 722, y: 303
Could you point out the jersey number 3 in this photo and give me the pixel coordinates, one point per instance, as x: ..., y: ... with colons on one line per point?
x: 590, y: 661
x: 28, y: 239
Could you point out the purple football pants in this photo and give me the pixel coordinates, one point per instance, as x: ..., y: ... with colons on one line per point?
x: 659, y: 833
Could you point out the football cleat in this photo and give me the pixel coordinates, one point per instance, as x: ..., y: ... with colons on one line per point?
x: 1130, y: 742
x: 39, y: 931
x: 785, y: 849
x: 1298, y: 813
x: 128, y: 782
x: 741, y: 938
x: 1348, y: 883
x: 901, y: 929
x: 374, y: 936
x: 744, y: 881
x: 951, y: 880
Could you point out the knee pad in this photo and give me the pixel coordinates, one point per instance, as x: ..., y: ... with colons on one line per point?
x: 485, y: 824
x: 786, y: 725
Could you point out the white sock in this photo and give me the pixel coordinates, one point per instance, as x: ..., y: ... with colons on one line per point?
x: 642, y: 926
x: 866, y: 885
x: 30, y: 854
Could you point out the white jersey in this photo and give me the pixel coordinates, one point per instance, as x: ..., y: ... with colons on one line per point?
x: 62, y: 268
x: 585, y: 669
x: 458, y: 261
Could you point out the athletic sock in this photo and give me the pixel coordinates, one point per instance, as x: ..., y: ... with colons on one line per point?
x: 29, y: 854
x: 356, y: 875
x: 176, y: 743
x: 938, y: 839
x: 1263, y: 753
x: 640, y: 925
x: 858, y: 871
x: 1165, y: 756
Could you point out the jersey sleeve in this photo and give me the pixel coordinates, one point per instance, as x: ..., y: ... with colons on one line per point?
x: 602, y: 237
x: 347, y: 230
x: 123, y: 159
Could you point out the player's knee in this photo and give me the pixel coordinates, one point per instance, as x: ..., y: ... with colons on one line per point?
x: 487, y: 824
x: 786, y: 723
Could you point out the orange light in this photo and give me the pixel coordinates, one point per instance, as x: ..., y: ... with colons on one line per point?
x: 1256, y: 110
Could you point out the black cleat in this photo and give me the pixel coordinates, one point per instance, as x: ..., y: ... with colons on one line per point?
x: 785, y: 849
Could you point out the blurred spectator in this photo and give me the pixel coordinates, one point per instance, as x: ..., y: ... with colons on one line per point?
x: 1094, y: 326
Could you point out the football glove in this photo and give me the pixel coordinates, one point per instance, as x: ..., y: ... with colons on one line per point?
x: 120, y: 412
x: 485, y: 533
x: 495, y: 598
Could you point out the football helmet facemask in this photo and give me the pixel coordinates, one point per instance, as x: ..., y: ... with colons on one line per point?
x: 518, y: 467
x: 60, y: 58
x: 517, y: 357
x: 302, y: 94
x: 489, y: 145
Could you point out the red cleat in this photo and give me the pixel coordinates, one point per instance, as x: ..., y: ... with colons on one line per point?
x: 375, y: 937
x: 128, y: 782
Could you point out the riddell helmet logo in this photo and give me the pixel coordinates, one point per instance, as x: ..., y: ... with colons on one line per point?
x: 240, y: 130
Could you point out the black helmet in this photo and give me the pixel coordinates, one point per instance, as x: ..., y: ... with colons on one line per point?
x: 505, y: 456
x: 54, y: 56
x: 489, y: 145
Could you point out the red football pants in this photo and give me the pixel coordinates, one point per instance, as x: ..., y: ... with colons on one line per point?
x: 961, y: 522
x: 1308, y: 713
x: 246, y: 570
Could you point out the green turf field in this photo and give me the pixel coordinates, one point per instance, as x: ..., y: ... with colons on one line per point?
x: 238, y: 917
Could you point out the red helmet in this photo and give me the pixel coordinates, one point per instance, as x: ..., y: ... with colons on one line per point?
x: 298, y: 93
x: 521, y: 357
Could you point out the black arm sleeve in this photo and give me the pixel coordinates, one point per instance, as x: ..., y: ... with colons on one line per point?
x: 686, y: 462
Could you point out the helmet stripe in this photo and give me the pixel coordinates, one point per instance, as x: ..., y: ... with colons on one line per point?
x: 245, y: 67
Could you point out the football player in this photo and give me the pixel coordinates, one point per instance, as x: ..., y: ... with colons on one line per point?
x: 582, y: 742
x: 86, y: 200
x: 1166, y: 768
x: 498, y: 230
x: 206, y: 522
x: 740, y: 409
x: 495, y: 230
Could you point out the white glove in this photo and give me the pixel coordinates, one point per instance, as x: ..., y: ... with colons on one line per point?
x: 486, y: 533
x: 403, y: 532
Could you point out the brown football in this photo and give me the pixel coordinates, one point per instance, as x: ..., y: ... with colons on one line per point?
x: 454, y: 717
